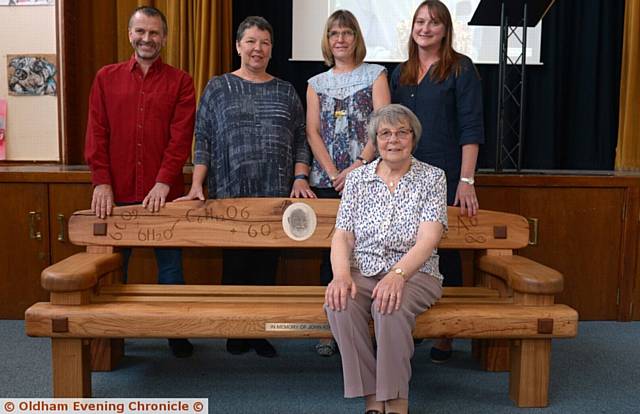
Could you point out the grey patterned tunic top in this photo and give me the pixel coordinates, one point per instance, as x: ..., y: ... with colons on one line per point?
x: 385, y: 224
x: 250, y: 135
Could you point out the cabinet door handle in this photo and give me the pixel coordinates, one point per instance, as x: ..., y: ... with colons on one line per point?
x: 34, y: 217
x: 61, y: 236
x: 533, y: 231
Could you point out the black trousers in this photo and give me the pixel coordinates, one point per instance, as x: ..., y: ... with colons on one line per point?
x: 450, y: 263
x: 326, y: 273
x: 250, y: 266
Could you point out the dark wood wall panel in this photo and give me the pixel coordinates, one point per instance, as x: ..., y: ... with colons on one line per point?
x: 89, y: 42
x: 579, y: 234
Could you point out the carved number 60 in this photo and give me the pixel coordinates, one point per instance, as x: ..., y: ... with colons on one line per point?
x: 265, y: 230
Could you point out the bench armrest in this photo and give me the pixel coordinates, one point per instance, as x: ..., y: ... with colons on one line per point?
x: 522, y: 274
x: 80, y: 271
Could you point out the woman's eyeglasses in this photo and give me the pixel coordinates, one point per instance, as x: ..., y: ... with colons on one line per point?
x: 401, y: 134
x: 345, y: 34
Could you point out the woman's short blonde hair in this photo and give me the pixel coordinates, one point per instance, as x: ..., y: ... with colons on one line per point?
x: 343, y: 18
x: 394, y: 114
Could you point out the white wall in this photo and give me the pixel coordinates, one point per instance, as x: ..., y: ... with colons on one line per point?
x: 32, y: 121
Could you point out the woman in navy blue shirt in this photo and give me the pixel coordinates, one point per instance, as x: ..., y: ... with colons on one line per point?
x: 442, y: 87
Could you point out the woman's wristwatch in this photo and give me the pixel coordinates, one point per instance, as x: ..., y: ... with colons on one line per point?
x: 301, y: 177
x: 362, y: 160
x: 468, y: 180
x: 398, y: 271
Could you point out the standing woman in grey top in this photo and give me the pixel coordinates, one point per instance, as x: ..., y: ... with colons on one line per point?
x: 250, y: 142
x: 339, y: 102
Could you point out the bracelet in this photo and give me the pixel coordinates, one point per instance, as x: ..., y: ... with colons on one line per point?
x: 301, y: 177
x: 364, y: 162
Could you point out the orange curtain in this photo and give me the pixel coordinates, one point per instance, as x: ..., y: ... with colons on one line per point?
x: 200, y: 37
x: 628, y: 149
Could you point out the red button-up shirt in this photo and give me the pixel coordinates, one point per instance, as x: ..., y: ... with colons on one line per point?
x: 140, y: 128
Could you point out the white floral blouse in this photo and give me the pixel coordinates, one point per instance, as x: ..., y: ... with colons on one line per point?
x: 385, y: 224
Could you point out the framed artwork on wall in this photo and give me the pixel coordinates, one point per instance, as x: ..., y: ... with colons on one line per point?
x: 32, y: 74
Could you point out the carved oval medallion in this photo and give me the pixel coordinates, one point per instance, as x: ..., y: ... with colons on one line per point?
x: 299, y: 221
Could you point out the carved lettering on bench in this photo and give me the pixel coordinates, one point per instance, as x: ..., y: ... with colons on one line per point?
x: 468, y: 228
x: 254, y: 230
x: 299, y: 222
x: 127, y: 216
x: 192, y: 217
x: 472, y: 222
x: 116, y: 235
x: 475, y: 238
x: 153, y: 234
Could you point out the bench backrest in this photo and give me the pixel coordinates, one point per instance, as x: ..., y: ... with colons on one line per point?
x: 269, y: 222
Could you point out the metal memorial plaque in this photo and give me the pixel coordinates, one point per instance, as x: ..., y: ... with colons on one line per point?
x: 299, y: 221
x: 290, y: 327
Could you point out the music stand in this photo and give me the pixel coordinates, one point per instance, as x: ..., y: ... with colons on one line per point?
x: 510, y: 15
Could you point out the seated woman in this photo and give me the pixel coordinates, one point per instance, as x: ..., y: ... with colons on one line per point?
x: 385, y: 263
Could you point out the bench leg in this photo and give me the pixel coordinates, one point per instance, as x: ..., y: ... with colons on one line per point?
x: 106, y: 353
x: 71, y: 369
x: 529, y: 376
x: 493, y: 354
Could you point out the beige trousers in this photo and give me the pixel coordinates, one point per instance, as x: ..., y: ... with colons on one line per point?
x: 385, y: 373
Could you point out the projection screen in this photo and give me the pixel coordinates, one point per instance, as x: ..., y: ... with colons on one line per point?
x: 386, y: 25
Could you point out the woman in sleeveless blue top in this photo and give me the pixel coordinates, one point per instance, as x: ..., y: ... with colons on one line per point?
x: 339, y: 102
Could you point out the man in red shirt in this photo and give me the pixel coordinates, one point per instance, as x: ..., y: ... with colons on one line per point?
x: 139, y: 135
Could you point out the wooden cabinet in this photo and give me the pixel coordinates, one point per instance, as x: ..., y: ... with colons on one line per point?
x: 64, y: 200
x: 36, y: 203
x: 24, y: 246
x: 587, y: 228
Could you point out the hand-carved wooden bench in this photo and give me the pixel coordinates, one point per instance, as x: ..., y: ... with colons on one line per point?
x: 511, y: 309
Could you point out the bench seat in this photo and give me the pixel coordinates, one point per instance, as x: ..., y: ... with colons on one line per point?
x: 228, y: 318
x: 159, y: 311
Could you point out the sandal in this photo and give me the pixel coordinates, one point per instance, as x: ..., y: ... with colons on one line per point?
x: 326, y: 349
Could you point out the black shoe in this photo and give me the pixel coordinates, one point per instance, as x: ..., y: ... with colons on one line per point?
x: 438, y: 356
x: 263, y: 348
x: 238, y: 346
x: 180, y: 348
